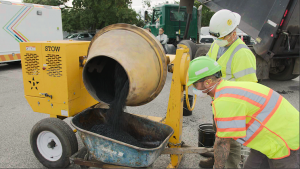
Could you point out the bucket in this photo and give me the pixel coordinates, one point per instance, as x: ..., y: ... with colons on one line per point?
x: 206, y: 135
x: 186, y: 111
x: 138, y: 52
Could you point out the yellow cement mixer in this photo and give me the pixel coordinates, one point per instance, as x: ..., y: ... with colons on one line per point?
x: 63, y: 78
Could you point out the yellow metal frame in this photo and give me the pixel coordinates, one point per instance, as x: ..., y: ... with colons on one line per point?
x: 179, y: 64
x: 70, y: 95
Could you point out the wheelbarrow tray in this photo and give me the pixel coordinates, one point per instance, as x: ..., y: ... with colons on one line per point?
x: 112, y: 151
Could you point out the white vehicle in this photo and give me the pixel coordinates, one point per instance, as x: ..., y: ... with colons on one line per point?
x: 205, y: 34
x: 23, y: 22
x: 207, y: 39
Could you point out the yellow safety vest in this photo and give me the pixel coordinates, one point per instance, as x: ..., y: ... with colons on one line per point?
x: 238, y: 62
x: 257, y: 117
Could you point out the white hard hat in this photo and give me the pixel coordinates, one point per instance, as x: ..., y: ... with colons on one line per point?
x: 223, y: 22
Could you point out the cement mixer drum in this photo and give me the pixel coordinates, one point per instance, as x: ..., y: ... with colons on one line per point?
x: 137, y: 51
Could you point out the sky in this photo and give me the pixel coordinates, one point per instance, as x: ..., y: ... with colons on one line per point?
x: 137, y: 5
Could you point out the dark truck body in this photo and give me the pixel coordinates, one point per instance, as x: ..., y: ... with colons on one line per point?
x: 171, y: 24
x: 274, y: 25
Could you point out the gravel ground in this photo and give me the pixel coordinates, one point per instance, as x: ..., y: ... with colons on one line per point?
x: 17, y: 119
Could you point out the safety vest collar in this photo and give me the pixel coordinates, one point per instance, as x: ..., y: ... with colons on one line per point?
x: 233, y: 45
x: 217, y: 89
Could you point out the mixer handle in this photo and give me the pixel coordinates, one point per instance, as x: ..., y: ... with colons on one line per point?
x: 82, y: 60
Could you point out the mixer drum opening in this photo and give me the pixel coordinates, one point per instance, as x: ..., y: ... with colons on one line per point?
x: 99, y: 78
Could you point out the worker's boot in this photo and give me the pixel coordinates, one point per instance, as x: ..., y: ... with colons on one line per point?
x: 207, y: 154
x: 207, y: 163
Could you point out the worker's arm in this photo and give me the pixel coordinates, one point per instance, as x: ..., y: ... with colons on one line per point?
x: 221, y: 151
x: 165, y: 39
x: 244, y: 66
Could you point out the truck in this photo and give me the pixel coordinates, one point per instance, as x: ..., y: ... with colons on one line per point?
x: 274, y: 26
x: 173, y: 20
x: 24, y: 22
x: 182, y: 26
x: 272, y: 29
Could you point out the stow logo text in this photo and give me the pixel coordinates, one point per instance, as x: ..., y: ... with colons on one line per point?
x: 52, y: 48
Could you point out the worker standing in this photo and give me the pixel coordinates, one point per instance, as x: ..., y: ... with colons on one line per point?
x: 251, y: 114
x: 162, y: 38
x: 237, y: 61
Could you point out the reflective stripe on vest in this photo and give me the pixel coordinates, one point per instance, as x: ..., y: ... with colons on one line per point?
x: 229, y: 62
x: 268, y: 107
x: 212, y: 47
x: 228, y: 124
x: 233, y: 125
x: 241, y: 94
x: 244, y: 72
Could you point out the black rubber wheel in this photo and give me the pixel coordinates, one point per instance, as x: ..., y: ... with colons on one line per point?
x: 53, y: 142
x: 201, y: 52
x: 191, y: 45
x: 285, y: 74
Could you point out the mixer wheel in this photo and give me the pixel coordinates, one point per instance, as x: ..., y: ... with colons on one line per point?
x: 53, y: 142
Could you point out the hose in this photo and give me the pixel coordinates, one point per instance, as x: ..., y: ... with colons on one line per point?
x: 187, y: 99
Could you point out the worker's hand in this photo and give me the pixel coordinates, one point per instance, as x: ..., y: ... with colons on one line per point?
x: 161, y: 41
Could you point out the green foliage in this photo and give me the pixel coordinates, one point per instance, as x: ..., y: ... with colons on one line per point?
x: 46, y: 2
x: 206, y: 13
x: 94, y: 14
x: 98, y: 14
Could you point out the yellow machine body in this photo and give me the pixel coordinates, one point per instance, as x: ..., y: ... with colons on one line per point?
x: 52, y: 77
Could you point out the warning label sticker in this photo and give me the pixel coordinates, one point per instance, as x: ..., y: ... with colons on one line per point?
x: 30, y: 48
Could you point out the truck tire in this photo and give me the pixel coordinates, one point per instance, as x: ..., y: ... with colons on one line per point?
x: 192, y: 47
x: 53, y: 142
x: 285, y: 74
x: 201, y: 52
x: 170, y: 49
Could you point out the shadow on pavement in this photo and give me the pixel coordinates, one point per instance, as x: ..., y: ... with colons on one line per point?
x: 4, y: 66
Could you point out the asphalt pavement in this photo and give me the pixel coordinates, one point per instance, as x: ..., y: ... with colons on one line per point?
x: 17, y: 119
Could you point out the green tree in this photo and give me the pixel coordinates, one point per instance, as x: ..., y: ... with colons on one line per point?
x: 94, y: 14
x: 98, y: 14
x: 70, y: 20
x: 46, y: 2
x: 206, y: 13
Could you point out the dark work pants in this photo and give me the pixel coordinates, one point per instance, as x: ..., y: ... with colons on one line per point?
x: 258, y: 160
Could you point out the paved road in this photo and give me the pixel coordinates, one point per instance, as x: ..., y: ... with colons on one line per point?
x: 17, y: 119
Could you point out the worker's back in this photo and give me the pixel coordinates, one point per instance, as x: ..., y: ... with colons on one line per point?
x: 257, y: 117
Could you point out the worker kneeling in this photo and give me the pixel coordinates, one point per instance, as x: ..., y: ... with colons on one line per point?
x: 250, y: 113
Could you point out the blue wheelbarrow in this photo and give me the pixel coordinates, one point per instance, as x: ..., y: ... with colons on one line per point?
x: 111, y: 151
